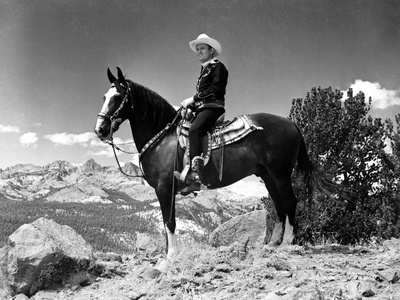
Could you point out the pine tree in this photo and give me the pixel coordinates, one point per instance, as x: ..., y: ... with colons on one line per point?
x: 348, y: 145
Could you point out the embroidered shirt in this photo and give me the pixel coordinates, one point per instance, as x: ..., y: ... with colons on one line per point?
x: 211, y: 85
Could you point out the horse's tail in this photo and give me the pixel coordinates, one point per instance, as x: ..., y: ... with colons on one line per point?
x: 305, y: 166
x: 314, y: 179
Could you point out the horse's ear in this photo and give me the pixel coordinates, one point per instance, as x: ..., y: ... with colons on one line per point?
x: 121, y: 77
x: 111, y: 77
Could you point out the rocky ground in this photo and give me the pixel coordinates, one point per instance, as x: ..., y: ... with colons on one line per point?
x: 238, y: 271
x: 202, y: 272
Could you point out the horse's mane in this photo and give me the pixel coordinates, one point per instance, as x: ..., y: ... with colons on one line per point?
x: 152, y: 104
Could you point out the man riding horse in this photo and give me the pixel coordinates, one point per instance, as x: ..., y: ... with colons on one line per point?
x: 208, y: 104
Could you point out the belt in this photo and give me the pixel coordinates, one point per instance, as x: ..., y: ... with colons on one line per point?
x: 211, y: 102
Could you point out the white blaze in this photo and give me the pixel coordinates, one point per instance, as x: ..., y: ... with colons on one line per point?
x: 107, y: 98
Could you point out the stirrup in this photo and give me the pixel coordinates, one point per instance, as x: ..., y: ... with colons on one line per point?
x: 188, y: 178
x: 190, y: 184
x: 192, y: 188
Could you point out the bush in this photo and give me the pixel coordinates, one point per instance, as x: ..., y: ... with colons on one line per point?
x: 349, y: 147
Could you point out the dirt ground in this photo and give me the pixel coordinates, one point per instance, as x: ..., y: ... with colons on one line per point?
x: 294, y: 272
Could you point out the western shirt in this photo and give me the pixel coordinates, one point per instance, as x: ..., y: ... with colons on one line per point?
x: 211, y: 85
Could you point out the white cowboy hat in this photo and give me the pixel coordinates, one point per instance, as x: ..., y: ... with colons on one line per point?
x: 205, y: 39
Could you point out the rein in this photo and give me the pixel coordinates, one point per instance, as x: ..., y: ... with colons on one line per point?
x: 114, y: 146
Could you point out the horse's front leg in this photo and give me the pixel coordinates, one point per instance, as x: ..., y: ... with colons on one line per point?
x: 172, y: 245
x: 166, y: 199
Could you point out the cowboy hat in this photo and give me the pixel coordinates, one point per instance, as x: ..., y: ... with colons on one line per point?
x: 205, y: 39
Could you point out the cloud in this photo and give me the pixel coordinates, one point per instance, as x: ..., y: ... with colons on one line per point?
x: 381, y: 97
x: 90, y: 140
x: 8, y: 128
x: 69, y: 139
x: 105, y: 152
x: 102, y: 149
x: 29, y: 139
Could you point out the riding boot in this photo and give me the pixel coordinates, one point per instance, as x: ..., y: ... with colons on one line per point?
x: 193, y: 178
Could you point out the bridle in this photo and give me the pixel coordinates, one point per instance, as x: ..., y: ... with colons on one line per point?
x: 114, y: 118
x: 115, y: 121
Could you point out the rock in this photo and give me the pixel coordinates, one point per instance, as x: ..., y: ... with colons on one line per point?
x: 131, y: 169
x: 272, y: 296
x: 250, y: 226
x: 149, y: 272
x: 44, y: 255
x: 367, y: 288
x: 107, y: 269
x: 390, y: 275
x: 224, y: 268
x: 359, y: 289
x: 20, y: 297
x: 90, y: 165
x: 45, y: 295
x: 108, y: 256
x: 309, y: 294
x: 235, y: 250
x: 151, y: 244
x: 392, y: 245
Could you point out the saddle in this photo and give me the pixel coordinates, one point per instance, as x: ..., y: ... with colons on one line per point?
x: 223, y: 133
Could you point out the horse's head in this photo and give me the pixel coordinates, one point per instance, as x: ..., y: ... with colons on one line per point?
x: 115, y: 108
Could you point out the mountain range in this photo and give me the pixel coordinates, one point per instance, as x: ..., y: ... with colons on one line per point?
x: 91, y: 183
x: 62, y: 181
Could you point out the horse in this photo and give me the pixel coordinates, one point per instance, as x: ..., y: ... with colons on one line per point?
x: 271, y: 153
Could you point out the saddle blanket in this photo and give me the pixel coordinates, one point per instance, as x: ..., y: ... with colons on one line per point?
x: 225, y: 134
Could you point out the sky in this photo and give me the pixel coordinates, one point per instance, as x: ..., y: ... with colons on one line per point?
x: 54, y: 55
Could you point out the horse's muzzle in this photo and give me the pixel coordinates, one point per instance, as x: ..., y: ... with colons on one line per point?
x: 102, y: 130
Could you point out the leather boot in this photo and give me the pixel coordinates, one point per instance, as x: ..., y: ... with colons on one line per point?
x: 193, y: 178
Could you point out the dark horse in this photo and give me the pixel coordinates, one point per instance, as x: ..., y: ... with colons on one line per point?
x: 271, y: 153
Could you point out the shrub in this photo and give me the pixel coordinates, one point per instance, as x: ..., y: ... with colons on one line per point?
x: 349, y: 147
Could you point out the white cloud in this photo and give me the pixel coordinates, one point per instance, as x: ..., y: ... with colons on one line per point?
x: 381, y: 97
x: 91, y: 141
x: 105, y: 152
x: 102, y: 149
x: 69, y: 139
x: 29, y: 139
x: 8, y: 128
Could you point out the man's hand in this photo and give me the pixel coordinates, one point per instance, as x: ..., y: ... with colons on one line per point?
x: 187, y: 102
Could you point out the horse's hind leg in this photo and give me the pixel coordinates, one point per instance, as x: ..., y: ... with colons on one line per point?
x: 277, y: 233
x: 280, y: 189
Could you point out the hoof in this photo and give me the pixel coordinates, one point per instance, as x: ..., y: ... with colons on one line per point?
x: 165, y: 264
x: 273, y: 244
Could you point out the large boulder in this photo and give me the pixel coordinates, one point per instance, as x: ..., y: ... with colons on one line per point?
x: 43, y: 255
x: 248, y: 228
